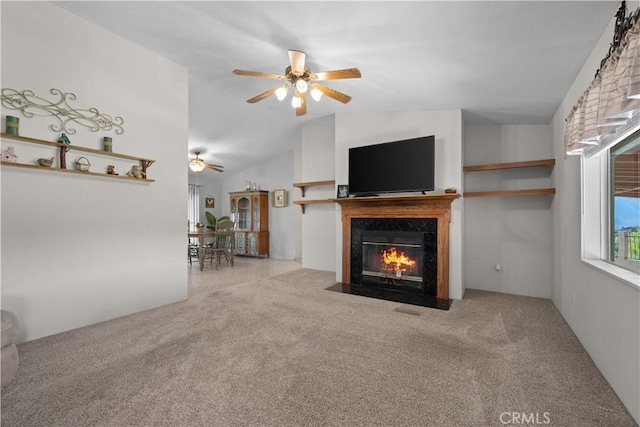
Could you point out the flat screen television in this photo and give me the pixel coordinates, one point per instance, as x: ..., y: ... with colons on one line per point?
x: 393, y: 167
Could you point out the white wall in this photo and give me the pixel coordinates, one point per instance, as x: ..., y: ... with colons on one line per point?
x: 77, y: 250
x: 357, y: 129
x: 317, y: 224
x: 516, y: 231
x: 273, y: 174
x: 603, y: 312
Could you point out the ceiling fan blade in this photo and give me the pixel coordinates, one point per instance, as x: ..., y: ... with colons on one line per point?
x: 297, y: 58
x: 215, y: 167
x: 347, y: 73
x: 259, y: 74
x: 302, y: 109
x: 332, y: 93
x: 263, y: 95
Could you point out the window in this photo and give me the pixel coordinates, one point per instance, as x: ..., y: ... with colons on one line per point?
x: 193, y: 208
x: 624, y: 203
x: 608, y: 218
x: 603, y: 128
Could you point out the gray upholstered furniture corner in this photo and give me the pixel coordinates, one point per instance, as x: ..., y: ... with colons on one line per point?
x: 9, y: 356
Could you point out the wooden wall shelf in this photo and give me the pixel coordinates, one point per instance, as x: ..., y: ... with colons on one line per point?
x: 22, y: 165
x: 511, y: 165
x: 531, y: 192
x: 303, y: 203
x: 303, y: 185
x: 63, y: 148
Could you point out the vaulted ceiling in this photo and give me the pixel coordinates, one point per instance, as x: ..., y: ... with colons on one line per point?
x: 500, y: 62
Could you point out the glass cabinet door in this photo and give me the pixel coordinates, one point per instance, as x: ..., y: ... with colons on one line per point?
x: 256, y: 213
x: 234, y: 211
x: 253, y: 244
x: 244, y: 213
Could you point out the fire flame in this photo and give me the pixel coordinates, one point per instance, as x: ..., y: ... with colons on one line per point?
x: 397, y: 261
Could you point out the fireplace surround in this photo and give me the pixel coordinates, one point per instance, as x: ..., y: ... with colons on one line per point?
x: 425, y: 217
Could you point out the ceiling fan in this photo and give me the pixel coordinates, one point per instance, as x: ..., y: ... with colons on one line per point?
x: 300, y: 77
x: 198, y: 165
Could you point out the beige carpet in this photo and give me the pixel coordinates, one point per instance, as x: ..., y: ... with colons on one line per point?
x: 283, y: 351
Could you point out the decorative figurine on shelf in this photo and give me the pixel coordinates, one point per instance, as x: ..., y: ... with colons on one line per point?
x: 9, y: 156
x: 111, y: 170
x: 107, y: 144
x: 46, y: 163
x: 12, y: 125
x: 136, y: 172
x: 83, y: 164
x: 63, y: 139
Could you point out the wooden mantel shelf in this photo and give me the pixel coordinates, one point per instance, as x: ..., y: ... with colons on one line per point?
x: 512, y: 165
x: 397, y: 200
x: 303, y: 185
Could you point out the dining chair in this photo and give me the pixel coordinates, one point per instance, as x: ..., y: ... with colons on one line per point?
x: 192, y: 251
x: 224, y: 243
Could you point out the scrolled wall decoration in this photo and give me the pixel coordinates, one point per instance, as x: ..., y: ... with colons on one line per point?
x: 32, y: 105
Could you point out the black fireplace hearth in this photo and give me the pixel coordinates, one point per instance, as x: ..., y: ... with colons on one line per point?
x: 392, y: 295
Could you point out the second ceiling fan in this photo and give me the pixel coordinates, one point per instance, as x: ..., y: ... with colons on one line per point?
x: 198, y: 165
x: 303, y: 80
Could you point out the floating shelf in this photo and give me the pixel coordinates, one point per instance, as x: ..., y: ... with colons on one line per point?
x: 531, y: 192
x: 22, y: 165
x: 512, y: 165
x: 303, y: 185
x: 303, y: 203
x: 63, y: 148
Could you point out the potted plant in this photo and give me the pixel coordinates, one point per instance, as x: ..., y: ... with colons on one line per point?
x: 211, y: 219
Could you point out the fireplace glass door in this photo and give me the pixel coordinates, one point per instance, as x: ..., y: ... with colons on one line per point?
x: 394, y: 259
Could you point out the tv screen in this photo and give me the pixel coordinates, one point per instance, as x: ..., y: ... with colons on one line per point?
x: 392, y: 167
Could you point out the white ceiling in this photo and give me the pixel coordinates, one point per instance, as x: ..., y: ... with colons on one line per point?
x: 500, y: 62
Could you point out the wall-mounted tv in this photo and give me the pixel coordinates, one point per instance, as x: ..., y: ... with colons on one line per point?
x: 392, y: 167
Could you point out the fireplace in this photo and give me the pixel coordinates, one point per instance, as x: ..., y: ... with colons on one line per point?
x: 397, y: 248
x: 398, y: 254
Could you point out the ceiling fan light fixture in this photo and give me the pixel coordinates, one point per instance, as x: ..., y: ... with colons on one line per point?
x: 316, y: 93
x: 303, y: 80
x: 302, y: 86
x: 197, y: 164
x: 281, y: 93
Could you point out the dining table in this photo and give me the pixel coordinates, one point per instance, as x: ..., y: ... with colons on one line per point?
x: 201, y: 235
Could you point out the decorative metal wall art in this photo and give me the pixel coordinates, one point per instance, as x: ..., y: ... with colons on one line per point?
x: 32, y: 105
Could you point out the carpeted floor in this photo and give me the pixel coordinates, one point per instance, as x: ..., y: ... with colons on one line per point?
x: 283, y: 351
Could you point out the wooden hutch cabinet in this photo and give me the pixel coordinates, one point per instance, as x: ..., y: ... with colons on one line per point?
x: 250, y: 212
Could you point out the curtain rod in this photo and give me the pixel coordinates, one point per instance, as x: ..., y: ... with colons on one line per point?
x: 623, y: 24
